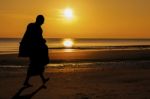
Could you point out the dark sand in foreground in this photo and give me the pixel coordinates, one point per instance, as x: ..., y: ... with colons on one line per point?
x: 123, y: 75
x: 111, y: 81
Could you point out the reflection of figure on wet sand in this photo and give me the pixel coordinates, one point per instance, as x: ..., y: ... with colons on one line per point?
x: 27, y: 96
x: 33, y: 45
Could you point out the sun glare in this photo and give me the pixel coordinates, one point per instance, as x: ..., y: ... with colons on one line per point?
x: 68, y: 13
x: 68, y: 43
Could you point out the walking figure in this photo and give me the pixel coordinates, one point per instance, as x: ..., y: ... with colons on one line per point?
x: 33, y: 45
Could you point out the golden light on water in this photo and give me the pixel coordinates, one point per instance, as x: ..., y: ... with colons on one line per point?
x: 68, y: 43
x: 68, y: 13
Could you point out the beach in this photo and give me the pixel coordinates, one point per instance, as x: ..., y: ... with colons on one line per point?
x: 115, y: 74
x: 85, y: 71
x: 75, y: 49
x: 80, y: 55
x: 123, y: 80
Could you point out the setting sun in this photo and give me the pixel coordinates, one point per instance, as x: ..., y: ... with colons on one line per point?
x: 68, y: 13
x: 68, y: 43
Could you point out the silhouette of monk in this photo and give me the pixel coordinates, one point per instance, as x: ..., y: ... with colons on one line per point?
x: 33, y: 45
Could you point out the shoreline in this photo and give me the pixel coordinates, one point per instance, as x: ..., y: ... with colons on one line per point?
x: 80, y: 56
x: 127, y: 78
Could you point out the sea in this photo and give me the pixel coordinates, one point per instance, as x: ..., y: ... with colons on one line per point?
x: 11, y: 45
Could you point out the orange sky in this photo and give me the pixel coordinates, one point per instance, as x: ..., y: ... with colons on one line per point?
x: 92, y: 18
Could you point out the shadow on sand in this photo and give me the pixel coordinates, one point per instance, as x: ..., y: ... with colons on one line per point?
x: 27, y: 96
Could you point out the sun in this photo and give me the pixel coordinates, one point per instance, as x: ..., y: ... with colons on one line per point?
x: 68, y: 13
x: 68, y: 43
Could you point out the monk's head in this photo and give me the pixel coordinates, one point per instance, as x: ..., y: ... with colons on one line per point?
x: 39, y: 19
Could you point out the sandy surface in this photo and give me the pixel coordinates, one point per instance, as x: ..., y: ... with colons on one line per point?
x: 70, y: 55
x: 85, y: 82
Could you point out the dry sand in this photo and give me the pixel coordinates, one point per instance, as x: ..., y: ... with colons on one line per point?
x: 113, y: 81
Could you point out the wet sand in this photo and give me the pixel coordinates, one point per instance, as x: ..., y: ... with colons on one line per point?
x: 60, y: 56
x: 119, y: 75
x: 104, y: 81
